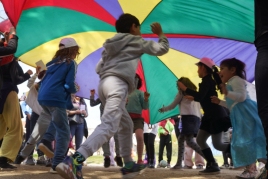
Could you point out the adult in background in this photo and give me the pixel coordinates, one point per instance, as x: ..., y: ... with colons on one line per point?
x: 10, y: 116
x: 76, y: 117
x: 261, y: 72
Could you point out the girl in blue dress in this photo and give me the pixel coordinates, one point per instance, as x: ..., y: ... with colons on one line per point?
x: 248, y: 139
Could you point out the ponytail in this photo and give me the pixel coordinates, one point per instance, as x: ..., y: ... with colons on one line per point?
x: 216, y: 77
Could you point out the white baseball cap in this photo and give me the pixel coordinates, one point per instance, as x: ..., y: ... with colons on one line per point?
x: 206, y: 61
x: 68, y: 42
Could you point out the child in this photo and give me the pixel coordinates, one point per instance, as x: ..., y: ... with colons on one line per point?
x: 190, y: 117
x: 138, y: 101
x: 215, y: 119
x: 117, y: 73
x: 54, y: 94
x: 164, y: 131
x: 149, y: 134
x: 248, y: 139
x: 76, y: 117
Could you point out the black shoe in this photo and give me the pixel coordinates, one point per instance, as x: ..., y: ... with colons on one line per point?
x: 119, y: 161
x: 211, y: 168
x: 49, y: 162
x: 19, y: 159
x: 4, y: 165
x: 46, y: 147
x: 151, y: 163
x: 107, y: 162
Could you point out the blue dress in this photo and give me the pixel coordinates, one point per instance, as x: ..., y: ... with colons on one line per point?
x: 248, y: 140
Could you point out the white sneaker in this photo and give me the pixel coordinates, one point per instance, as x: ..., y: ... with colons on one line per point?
x: 52, y: 171
x: 30, y: 161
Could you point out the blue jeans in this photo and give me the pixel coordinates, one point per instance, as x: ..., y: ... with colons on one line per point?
x: 59, y: 123
x: 77, y: 131
x: 261, y: 81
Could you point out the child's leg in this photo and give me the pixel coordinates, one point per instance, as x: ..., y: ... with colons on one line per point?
x: 201, y: 139
x: 191, y: 142
x: 181, y: 140
x: 161, y: 147
x: 169, y: 149
x: 115, y: 118
x: 117, y: 151
x: 140, y: 144
x: 59, y: 124
x: 151, y: 139
x: 39, y: 130
x: 106, y: 149
x: 125, y: 136
x: 188, y: 153
x: 211, y: 167
x: 199, y: 159
x: 112, y: 146
x: 217, y: 142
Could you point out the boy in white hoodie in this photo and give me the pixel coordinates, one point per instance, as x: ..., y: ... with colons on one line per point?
x: 117, y: 70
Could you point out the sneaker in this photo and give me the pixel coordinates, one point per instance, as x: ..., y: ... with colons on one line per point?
x: 168, y: 165
x: 4, y: 165
x: 247, y: 175
x: 199, y: 166
x: 52, y: 171
x: 133, y: 171
x: 41, y: 160
x: 187, y: 167
x: 119, y: 161
x: 19, y: 159
x: 225, y: 166
x: 30, y: 161
x: 7, y: 166
x: 70, y: 169
x: 231, y: 167
x: 49, y: 162
x: 262, y: 174
x: 211, y: 168
x: 107, y: 161
x: 151, y: 165
x: 46, y: 147
x: 177, y: 167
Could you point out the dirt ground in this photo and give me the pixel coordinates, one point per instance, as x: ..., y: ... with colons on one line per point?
x: 98, y: 172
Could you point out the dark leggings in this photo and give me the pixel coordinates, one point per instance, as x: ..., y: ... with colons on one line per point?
x: 202, y: 137
x: 191, y: 143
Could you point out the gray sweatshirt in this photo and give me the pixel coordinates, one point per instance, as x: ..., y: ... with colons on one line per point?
x: 122, y: 53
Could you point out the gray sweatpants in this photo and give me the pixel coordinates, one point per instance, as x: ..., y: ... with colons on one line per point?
x: 113, y: 93
x: 39, y: 130
x: 106, y: 147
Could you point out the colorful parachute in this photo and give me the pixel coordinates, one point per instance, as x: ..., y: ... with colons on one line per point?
x: 211, y: 28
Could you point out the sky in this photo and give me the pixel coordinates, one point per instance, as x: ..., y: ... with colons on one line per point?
x: 93, y: 118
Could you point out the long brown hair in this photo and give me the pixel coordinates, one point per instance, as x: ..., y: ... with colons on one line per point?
x: 188, y: 83
x: 67, y: 53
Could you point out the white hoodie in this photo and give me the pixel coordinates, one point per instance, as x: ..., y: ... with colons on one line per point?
x: 122, y: 53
